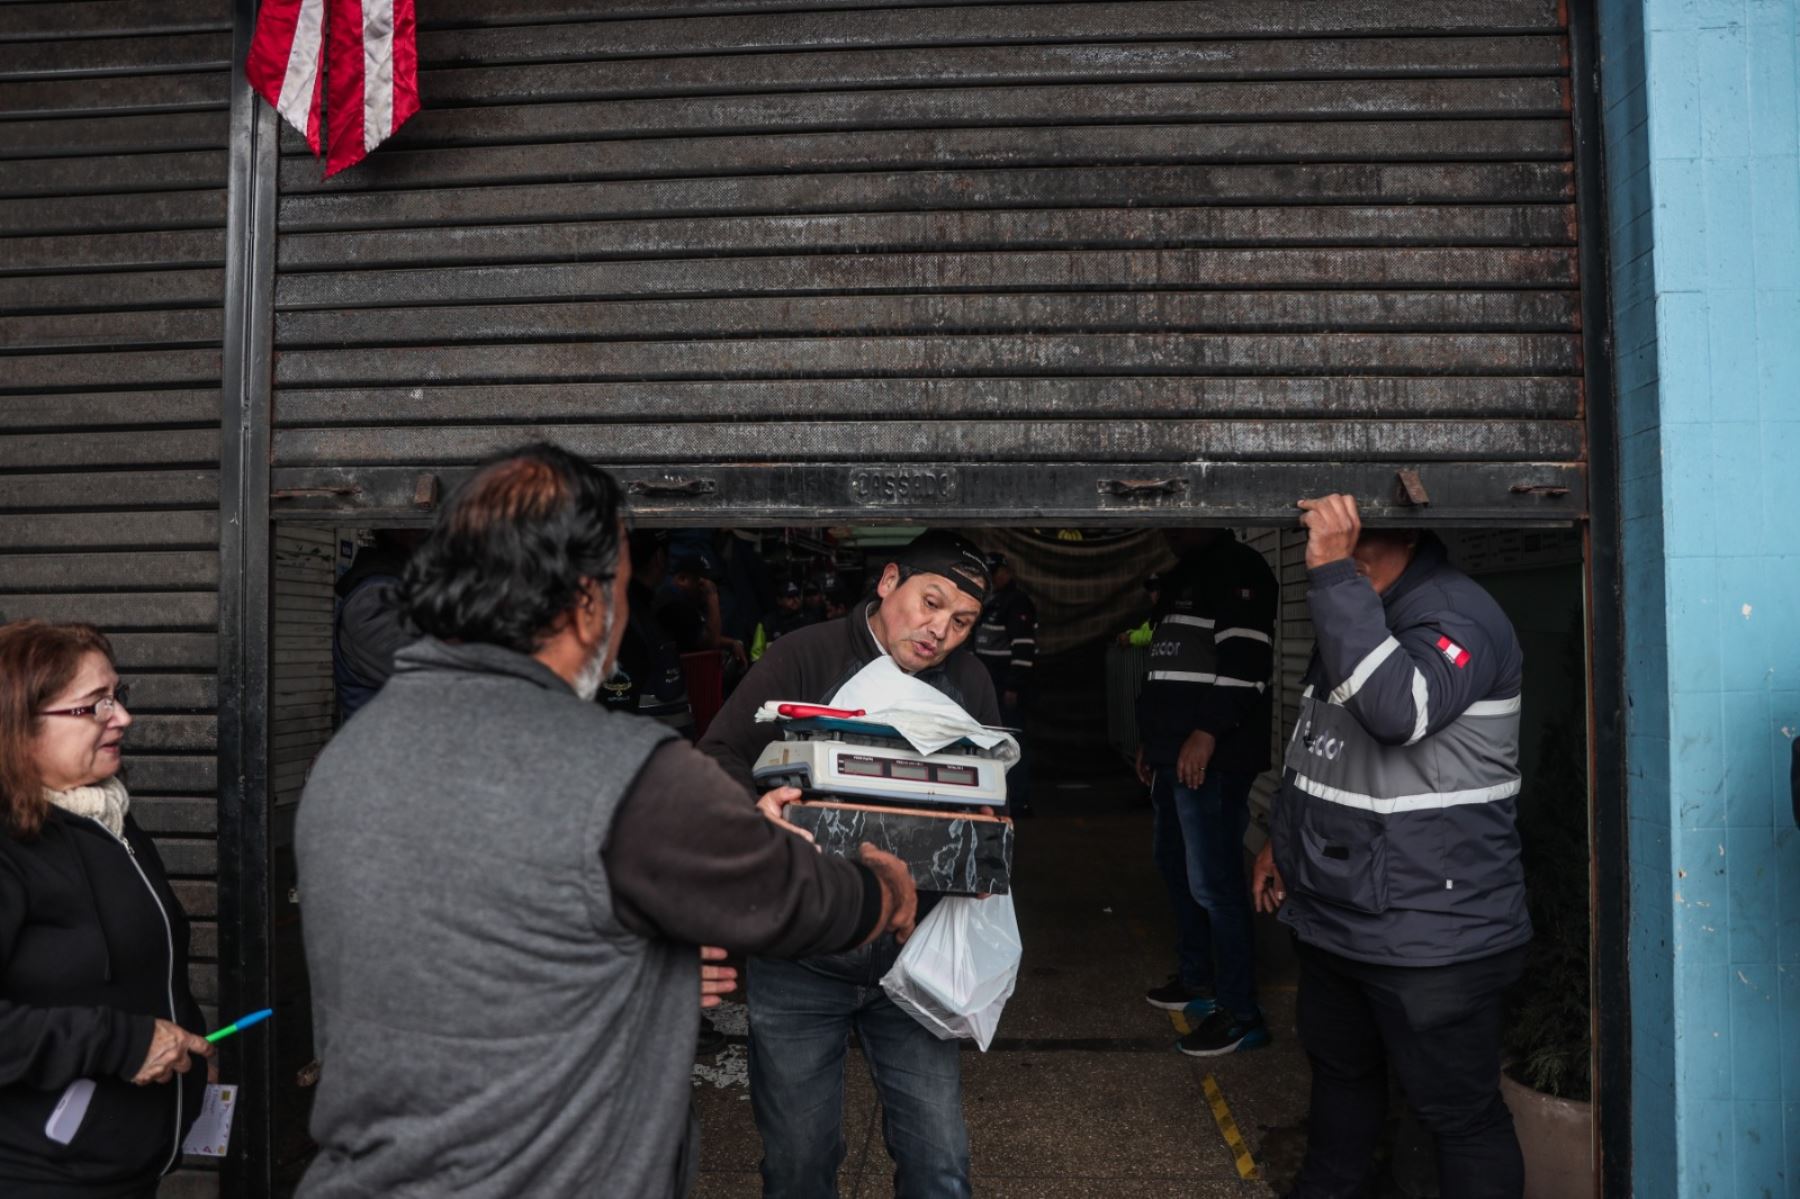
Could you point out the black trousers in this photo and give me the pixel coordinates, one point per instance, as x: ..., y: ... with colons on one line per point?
x: 1438, y: 1027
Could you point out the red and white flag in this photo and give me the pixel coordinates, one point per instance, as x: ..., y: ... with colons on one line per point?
x: 357, y: 60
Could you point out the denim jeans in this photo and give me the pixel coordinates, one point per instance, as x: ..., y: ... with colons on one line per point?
x: 1212, y: 819
x: 801, y: 1017
x: 1438, y: 1027
x: 1193, y: 936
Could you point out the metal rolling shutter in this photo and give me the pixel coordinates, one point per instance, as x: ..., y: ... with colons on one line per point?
x: 1122, y: 261
x: 113, y: 133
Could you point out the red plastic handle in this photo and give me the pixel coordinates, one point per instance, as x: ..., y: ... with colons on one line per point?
x: 808, y: 711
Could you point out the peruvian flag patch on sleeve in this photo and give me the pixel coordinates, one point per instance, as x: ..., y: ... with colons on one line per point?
x: 1459, y: 657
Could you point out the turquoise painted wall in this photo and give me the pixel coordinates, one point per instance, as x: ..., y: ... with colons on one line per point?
x: 1702, y: 132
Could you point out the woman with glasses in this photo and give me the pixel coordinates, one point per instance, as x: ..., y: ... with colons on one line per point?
x: 98, y: 1044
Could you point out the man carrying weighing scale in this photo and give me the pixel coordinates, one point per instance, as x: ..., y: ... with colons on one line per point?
x: 926, y: 606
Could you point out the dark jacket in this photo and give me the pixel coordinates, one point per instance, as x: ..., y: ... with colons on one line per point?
x: 1006, y: 639
x: 810, y: 665
x: 1212, y: 658
x: 503, y: 888
x: 87, y: 965
x: 649, y: 681
x: 1394, y: 830
x: 368, y: 628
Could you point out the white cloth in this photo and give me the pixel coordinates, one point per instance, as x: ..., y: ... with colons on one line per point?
x: 106, y: 801
x: 919, y: 712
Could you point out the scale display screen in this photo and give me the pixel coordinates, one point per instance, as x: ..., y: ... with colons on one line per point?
x: 906, y: 771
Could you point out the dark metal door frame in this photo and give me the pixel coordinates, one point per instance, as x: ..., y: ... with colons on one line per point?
x: 244, y: 651
x: 1608, y: 832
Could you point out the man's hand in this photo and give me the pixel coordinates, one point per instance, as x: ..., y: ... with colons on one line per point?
x: 716, y: 982
x: 170, y: 1048
x: 1267, y: 891
x: 736, y: 649
x: 774, y: 803
x: 899, y: 897
x: 1196, y: 756
x: 1143, y: 771
x: 1332, y: 526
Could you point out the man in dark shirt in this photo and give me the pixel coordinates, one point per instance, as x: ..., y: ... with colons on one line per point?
x: 801, y: 1013
x: 647, y: 680
x: 368, y: 628
x: 1204, y: 719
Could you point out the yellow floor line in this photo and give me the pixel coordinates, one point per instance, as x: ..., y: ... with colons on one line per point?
x: 1215, y: 1098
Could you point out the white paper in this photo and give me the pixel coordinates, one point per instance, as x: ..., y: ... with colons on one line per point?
x: 925, y: 716
x: 211, y: 1134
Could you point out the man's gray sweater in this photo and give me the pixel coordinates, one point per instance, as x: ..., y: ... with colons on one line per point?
x: 498, y: 1012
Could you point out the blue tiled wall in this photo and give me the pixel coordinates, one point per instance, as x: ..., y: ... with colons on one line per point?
x: 1702, y: 124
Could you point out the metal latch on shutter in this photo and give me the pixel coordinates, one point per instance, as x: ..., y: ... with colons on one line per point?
x: 1142, y: 489
x: 674, y: 486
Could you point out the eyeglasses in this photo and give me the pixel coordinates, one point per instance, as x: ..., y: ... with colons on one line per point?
x: 101, y: 709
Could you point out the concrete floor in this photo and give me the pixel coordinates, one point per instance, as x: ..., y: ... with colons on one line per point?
x: 1082, y: 1092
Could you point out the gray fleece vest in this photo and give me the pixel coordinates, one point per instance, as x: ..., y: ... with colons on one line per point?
x: 487, y: 1026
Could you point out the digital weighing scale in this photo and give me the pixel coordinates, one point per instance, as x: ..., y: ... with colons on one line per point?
x: 847, y: 758
x: 863, y: 781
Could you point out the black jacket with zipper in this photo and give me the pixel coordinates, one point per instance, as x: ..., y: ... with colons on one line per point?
x: 87, y: 965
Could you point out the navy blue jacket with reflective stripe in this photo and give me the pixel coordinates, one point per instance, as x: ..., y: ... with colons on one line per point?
x: 1395, y: 828
x: 1212, y: 658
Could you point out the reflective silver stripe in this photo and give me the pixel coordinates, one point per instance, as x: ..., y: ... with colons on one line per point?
x: 1195, y: 676
x: 1495, y: 707
x: 1421, y: 708
x: 1368, y: 666
x: 1021, y: 665
x: 1199, y: 622
x: 1406, y: 803
x: 1024, y: 640
x: 1246, y: 634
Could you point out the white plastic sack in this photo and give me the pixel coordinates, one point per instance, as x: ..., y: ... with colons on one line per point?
x: 957, y: 971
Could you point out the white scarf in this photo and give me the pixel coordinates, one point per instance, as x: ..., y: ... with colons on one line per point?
x: 106, y: 801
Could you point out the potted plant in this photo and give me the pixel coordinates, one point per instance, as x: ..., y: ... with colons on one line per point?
x: 1548, y: 1078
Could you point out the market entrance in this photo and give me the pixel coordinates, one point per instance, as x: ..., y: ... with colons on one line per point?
x: 1083, y: 1081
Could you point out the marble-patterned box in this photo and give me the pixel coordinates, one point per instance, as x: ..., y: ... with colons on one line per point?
x: 957, y: 853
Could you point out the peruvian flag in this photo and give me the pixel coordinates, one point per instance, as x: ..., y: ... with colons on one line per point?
x: 360, y: 57
x: 1459, y: 657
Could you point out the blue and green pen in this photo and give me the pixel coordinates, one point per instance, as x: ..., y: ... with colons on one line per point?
x: 240, y: 1024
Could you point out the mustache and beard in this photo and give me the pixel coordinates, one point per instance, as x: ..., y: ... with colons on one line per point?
x: 598, y: 668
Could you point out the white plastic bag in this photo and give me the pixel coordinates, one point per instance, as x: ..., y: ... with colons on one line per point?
x: 957, y: 971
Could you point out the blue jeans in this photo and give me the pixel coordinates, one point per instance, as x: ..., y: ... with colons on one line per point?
x: 1193, y: 937
x: 801, y: 1016
x: 1211, y: 820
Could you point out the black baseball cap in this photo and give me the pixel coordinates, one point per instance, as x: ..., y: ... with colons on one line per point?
x: 941, y: 552
x: 790, y: 591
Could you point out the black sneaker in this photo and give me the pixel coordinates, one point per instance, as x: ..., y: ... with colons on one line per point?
x: 1222, y: 1033
x: 711, y: 1039
x: 1174, y: 995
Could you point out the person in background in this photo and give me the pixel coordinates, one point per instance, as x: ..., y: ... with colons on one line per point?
x: 507, y: 886
x: 1006, y: 643
x: 1394, y: 857
x: 1204, y: 722
x: 688, y: 604
x: 648, y: 679
x: 99, y: 1035
x: 787, y: 616
x: 801, y: 1013
x: 368, y: 629
x: 812, y: 599
x: 1140, y: 637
